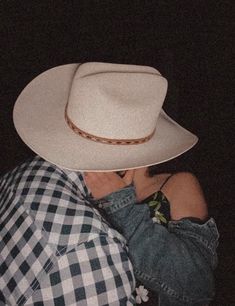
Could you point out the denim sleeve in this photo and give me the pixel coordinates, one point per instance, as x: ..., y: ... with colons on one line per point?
x: 177, y: 262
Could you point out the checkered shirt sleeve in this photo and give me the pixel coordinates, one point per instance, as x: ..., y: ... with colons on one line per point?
x: 55, y: 248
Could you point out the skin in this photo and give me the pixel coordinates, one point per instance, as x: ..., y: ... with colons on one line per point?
x: 182, y: 190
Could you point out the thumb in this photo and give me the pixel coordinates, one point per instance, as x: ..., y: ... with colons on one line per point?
x: 128, y: 177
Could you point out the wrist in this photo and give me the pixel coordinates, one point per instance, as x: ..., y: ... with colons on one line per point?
x: 118, y: 199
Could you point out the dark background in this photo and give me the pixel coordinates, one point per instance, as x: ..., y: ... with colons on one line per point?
x: 189, y: 42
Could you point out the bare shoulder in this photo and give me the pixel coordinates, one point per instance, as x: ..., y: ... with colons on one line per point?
x: 184, y: 180
x: 186, y: 197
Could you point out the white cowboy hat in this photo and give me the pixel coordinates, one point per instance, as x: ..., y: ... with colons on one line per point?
x: 99, y: 117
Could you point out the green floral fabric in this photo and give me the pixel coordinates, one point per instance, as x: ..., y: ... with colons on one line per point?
x: 159, y: 207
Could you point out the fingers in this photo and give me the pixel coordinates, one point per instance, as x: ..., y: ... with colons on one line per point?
x: 95, y: 180
x: 106, y: 176
x: 94, y: 175
x: 129, y: 176
x: 103, y: 183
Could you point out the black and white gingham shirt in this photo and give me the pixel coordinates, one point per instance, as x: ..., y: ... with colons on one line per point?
x: 56, y: 249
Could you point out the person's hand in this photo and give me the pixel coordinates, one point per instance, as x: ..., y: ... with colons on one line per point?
x: 103, y: 183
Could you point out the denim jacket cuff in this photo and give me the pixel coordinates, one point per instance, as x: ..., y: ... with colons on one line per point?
x: 119, y: 199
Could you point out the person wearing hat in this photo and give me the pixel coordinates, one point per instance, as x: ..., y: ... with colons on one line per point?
x: 83, y: 219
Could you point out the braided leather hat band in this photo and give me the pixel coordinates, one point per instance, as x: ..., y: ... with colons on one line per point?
x: 105, y: 140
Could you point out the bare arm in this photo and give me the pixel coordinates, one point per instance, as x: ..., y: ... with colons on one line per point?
x: 185, y: 196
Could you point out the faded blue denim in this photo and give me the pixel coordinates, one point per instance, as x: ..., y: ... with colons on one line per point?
x: 177, y: 262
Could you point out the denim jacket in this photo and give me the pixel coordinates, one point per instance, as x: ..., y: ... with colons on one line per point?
x: 177, y: 262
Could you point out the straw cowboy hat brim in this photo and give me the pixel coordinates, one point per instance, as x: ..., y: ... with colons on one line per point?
x: 39, y: 118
